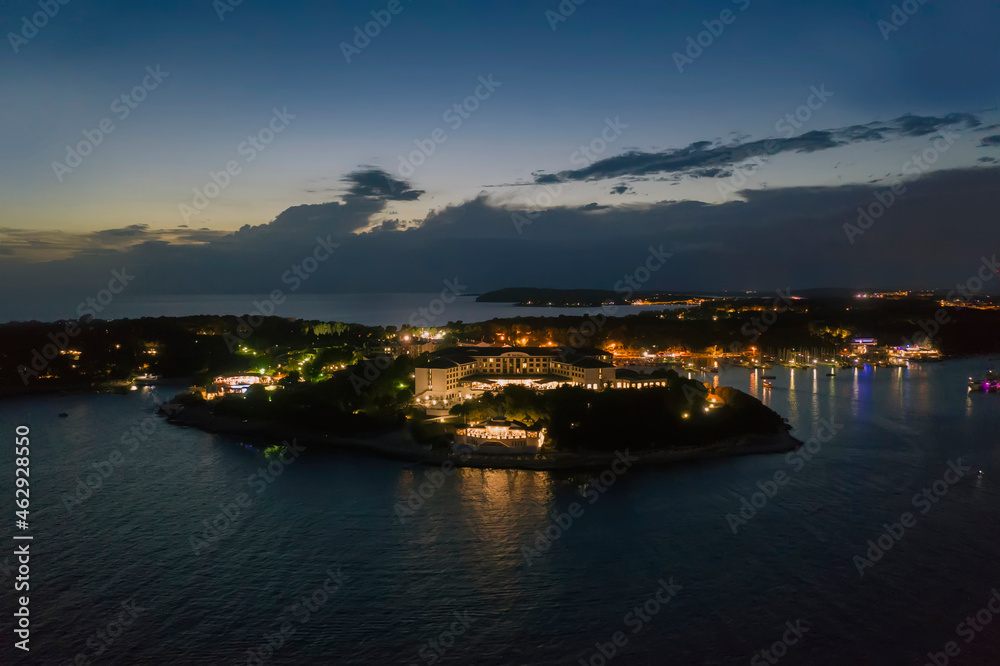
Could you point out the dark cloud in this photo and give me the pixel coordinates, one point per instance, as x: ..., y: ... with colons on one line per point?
x: 621, y: 188
x: 387, y: 225
x: 705, y: 159
x: 988, y: 160
x: 377, y: 184
x: 478, y: 242
x: 911, y: 125
x: 991, y: 140
x: 130, y: 232
x: 714, y: 172
x: 593, y: 206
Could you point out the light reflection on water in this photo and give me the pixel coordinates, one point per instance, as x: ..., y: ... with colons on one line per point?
x: 463, y: 548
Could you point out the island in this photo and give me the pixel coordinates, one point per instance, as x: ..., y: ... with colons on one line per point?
x: 665, y: 420
x: 576, y: 388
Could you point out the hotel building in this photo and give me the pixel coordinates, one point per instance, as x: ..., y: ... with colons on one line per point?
x: 458, y: 373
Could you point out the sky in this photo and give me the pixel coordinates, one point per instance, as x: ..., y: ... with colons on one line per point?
x: 207, y: 145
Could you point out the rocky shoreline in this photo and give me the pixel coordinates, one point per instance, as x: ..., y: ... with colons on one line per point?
x: 399, y: 445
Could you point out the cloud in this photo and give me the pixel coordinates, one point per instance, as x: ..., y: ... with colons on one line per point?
x: 911, y: 125
x: 802, y: 229
x: 707, y: 159
x: 376, y: 183
x: 30, y: 245
x: 622, y: 188
x: 991, y: 140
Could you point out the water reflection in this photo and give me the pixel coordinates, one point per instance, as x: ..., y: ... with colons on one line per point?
x: 498, y: 505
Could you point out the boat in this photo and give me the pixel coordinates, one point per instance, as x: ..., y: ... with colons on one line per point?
x: 831, y: 374
x: 768, y: 377
x: 990, y: 383
x: 767, y: 384
x: 63, y: 415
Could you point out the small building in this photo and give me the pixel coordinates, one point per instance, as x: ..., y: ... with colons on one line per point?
x: 861, y: 346
x: 225, y: 384
x: 500, y: 436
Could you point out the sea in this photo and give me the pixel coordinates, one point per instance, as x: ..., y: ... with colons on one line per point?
x: 873, y: 544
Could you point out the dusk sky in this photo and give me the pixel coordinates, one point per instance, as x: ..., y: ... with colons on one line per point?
x: 679, y: 153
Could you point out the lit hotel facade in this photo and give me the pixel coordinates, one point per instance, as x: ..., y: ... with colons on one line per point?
x: 457, y: 373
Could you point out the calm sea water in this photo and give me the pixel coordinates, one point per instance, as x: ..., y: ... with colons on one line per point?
x: 462, y: 551
x: 366, y: 309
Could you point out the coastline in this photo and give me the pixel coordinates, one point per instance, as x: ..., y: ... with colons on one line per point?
x: 399, y: 445
x: 117, y: 386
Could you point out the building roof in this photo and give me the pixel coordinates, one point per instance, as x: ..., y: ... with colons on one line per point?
x: 590, y: 362
x: 578, y: 357
x: 500, y: 422
x: 440, y: 363
x: 491, y: 377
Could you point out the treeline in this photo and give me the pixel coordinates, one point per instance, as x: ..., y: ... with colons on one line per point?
x: 365, y: 397
x: 200, y: 346
x: 673, y: 416
x: 770, y: 324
